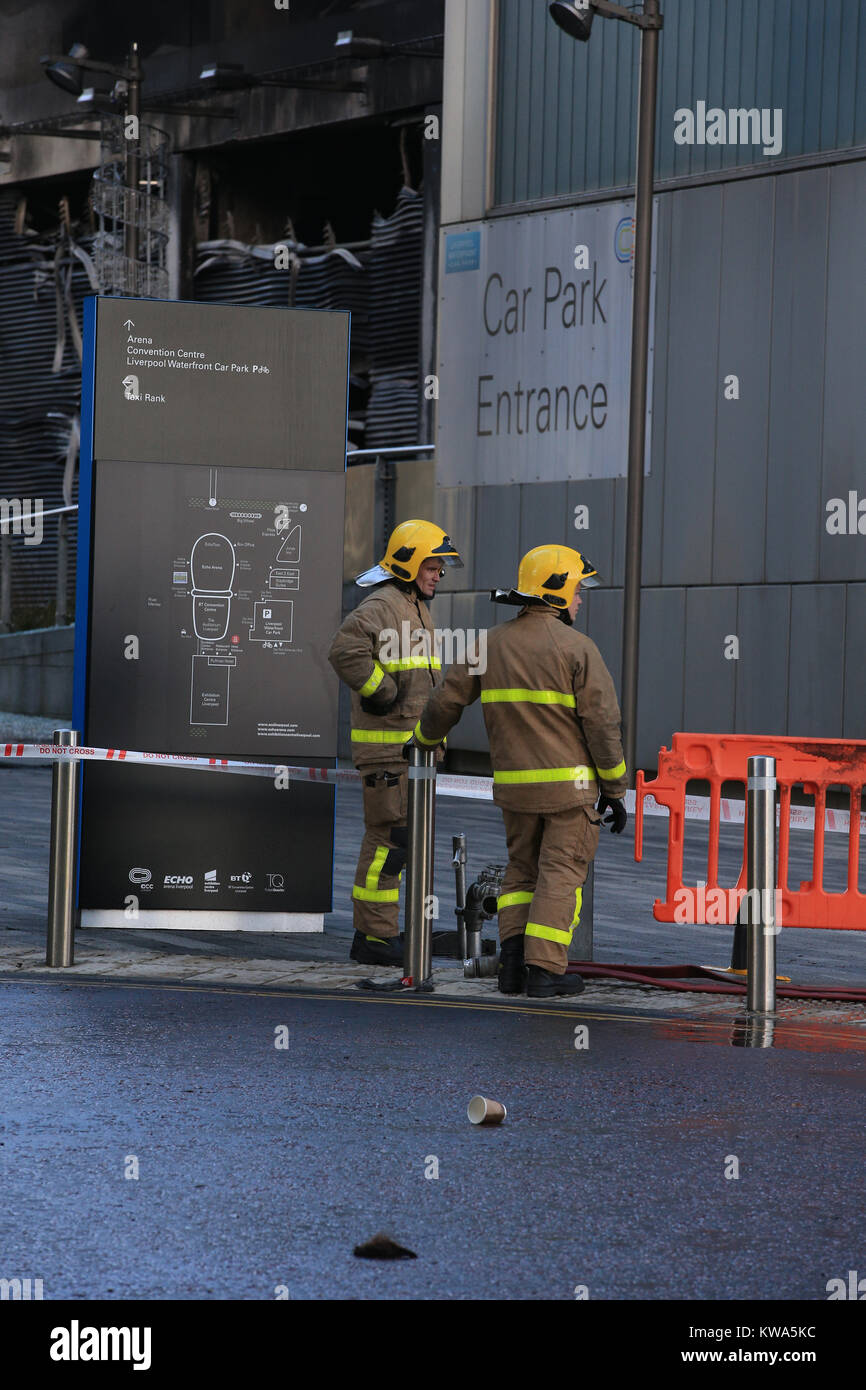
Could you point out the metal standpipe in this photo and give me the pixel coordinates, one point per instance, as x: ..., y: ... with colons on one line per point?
x: 61, y: 873
x: 417, y: 947
x: 458, y: 849
x: 761, y: 884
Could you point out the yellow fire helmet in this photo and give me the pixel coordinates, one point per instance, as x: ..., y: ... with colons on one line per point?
x: 550, y: 573
x: 411, y: 543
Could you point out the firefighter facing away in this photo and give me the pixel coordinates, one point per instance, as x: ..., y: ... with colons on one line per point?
x: 553, y: 723
x: 385, y: 653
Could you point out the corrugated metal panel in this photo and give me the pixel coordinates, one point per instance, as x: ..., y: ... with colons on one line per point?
x: 565, y: 113
x: 797, y: 352
x: 816, y: 666
x: 601, y: 619
x: 763, y: 623
x: 844, y: 403
x: 381, y: 286
x: 710, y: 676
x: 692, y: 397
x: 854, y: 714
x: 454, y: 511
x: 544, y: 516
x: 473, y: 611
x: 497, y: 535
x: 39, y: 406
x: 662, y: 668
x: 598, y: 496
x: 396, y: 273
x: 739, y: 498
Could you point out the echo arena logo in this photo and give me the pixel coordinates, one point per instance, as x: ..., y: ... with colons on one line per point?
x: 623, y: 240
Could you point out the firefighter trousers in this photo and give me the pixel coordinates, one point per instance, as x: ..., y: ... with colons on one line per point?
x: 548, y: 860
x: 376, y: 894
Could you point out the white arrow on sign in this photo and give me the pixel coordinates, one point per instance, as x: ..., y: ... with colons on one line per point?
x: 129, y: 324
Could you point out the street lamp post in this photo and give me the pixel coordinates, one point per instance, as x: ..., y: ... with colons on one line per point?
x: 576, y: 19
x: 133, y: 110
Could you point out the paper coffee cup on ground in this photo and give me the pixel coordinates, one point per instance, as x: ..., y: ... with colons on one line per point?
x: 482, y: 1111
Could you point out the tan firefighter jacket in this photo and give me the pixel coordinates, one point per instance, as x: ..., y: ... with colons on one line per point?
x: 551, y: 714
x: 386, y: 648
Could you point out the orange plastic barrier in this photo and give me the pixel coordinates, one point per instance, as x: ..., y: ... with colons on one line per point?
x: 816, y: 764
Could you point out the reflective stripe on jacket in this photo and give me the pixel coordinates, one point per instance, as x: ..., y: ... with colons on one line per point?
x: 385, y: 648
x: 550, y: 710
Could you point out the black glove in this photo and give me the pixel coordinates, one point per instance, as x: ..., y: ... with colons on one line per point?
x: 377, y: 707
x: 618, y: 818
x: 413, y: 742
x: 408, y: 746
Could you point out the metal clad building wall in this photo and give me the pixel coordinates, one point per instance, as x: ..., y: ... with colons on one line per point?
x: 554, y: 134
x: 38, y: 406
x: 761, y: 279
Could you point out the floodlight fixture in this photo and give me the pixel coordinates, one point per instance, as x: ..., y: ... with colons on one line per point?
x: 66, y: 72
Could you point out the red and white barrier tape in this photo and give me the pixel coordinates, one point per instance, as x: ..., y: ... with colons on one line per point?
x: 447, y: 784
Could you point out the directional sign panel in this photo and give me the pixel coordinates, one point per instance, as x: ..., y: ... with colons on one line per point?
x: 217, y: 384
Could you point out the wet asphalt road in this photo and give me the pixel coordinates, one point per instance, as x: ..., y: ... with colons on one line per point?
x: 260, y: 1167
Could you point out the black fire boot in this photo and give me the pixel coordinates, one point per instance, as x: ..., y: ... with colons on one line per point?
x: 369, y: 950
x: 512, y: 973
x: 541, y: 984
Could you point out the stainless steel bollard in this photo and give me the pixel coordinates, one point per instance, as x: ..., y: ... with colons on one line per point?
x: 761, y: 884
x: 418, y: 940
x: 458, y: 847
x: 61, y: 874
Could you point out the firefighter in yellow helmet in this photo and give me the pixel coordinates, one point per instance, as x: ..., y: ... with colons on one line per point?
x: 553, y: 722
x: 385, y: 653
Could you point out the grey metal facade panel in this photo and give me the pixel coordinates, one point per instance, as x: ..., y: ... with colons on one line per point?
x: 497, y: 535
x: 472, y: 611
x: 739, y: 504
x: 544, y: 517
x: 763, y: 622
x: 710, y: 675
x: 806, y: 58
x: 692, y: 396
x: 662, y: 665
x: 794, y: 505
x: 441, y: 610
x: 844, y: 440
x: 601, y: 619
x: 598, y: 495
x: 506, y: 98
x: 454, y: 511
x: 854, y: 712
x: 816, y: 664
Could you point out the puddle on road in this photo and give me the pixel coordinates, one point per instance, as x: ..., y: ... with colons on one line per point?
x: 842, y: 1034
